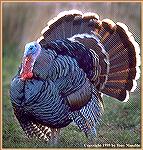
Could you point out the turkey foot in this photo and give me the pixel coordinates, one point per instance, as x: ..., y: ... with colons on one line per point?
x: 54, y: 136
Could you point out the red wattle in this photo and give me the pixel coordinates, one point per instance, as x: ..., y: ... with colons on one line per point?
x: 27, y: 75
x: 27, y: 68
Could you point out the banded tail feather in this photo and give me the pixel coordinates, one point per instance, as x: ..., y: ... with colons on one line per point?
x: 115, y: 52
x: 124, y: 59
x: 68, y: 24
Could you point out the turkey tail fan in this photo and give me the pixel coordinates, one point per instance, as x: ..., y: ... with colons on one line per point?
x: 124, y: 59
x: 68, y: 24
x: 116, y: 58
x: 115, y: 53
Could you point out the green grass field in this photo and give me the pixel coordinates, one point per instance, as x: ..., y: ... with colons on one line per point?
x: 120, y: 123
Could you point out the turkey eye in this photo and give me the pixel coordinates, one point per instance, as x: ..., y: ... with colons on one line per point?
x: 35, y: 45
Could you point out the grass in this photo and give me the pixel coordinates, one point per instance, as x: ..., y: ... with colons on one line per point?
x: 120, y: 122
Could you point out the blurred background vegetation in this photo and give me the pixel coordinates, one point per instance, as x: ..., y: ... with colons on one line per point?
x: 22, y: 23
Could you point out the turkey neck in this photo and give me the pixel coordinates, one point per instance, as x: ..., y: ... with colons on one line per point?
x: 27, y: 67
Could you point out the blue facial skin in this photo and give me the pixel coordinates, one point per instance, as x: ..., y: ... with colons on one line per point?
x: 31, y: 49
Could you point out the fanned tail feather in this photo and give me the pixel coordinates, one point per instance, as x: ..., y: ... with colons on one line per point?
x: 68, y: 24
x: 115, y: 53
x: 124, y: 59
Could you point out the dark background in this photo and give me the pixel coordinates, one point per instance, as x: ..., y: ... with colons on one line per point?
x: 22, y: 23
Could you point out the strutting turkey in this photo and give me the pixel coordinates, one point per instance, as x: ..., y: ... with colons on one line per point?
x: 63, y: 74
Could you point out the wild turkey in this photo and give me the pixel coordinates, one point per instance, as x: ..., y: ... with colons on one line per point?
x: 63, y: 74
